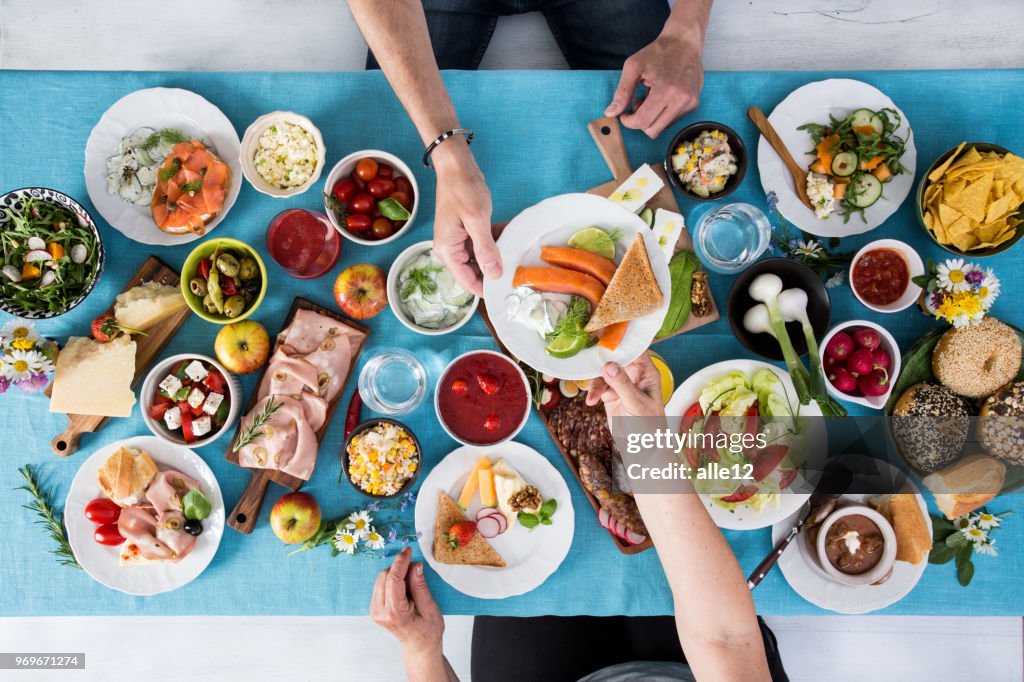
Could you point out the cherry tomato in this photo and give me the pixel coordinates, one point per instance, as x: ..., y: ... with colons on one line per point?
x: 344, y: 190
x: 385, y: 170
x: 108, y: 534
x: 375, y: 213
x: 402, y: 184
x: 382, y: 228
x: 360, y: 183
x: 366, y: 169
x: 362, y: 203
x: 380, y: 187
x: 101, y: 510
x: 358, y: 222
x: 402, y: 198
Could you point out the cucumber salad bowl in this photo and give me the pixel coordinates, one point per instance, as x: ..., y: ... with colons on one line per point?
x: 424, y: 295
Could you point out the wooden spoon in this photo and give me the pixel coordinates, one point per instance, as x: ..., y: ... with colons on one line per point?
x: 799, y: 174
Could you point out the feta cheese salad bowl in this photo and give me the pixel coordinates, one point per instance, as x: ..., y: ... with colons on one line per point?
x: 424, y: 296
x: 190, y: 399
x: 282, y: 154
x: 371, y: 197
x: 706, y: 161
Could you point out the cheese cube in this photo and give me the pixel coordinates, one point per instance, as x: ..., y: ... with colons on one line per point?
x: 172, y: 418
x: 667, y: 227
x: 195, y: 371
x: 95, y: 378
x: 170, y: 385
x: 213, y: 401
x: 638, y: 189
x: 201, y: 426
x: 196, y: 397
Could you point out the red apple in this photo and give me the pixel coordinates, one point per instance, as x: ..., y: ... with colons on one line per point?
x: 242, y: 347
x: 295, y: 517
x: 361, y: 291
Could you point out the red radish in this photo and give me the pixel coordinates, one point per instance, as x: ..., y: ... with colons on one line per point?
x: 880, y: 359
x: 843, y: 380
x: 489, y: 527
x: 491, y: 512
x: 866, y: 337
x: 830, y: 363
x: 618, y: 528
x: 602, y: 517
x: 635, y: 538
x: 549, y: 399
x: 859, y: 362
x: 548, y: 380
x: 874, y: 383
x: 787, y: 477
x: 839, y: 346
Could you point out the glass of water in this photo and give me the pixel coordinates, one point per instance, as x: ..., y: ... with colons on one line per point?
x: 729, y: 238
x: 392, y: 382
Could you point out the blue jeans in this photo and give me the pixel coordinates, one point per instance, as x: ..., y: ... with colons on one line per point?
x: 592, y: 34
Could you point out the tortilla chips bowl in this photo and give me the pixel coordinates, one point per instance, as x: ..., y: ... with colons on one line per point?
x: 971, y: 200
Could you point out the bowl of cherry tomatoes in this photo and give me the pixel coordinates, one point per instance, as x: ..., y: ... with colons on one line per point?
x: 371, y: 197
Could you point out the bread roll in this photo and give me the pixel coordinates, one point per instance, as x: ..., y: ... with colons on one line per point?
x: 125, y: 475
x: 913, y: 539
x: 966, y: 485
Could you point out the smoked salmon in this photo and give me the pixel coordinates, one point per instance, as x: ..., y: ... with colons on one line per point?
x: 560, y: 281
x: 191, y: 187
x: 581, y: 260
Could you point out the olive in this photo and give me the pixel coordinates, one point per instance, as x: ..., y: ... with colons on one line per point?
x: 227, y: 264
x: 248, y: 296
x: 198, y: 286
x: 193, y: 527
x: 248, y: 269
x: 173, y: 523
x: 208, y: 305
x: 234, y: 306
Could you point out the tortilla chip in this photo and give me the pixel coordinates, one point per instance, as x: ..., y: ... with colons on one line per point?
x: 965, y: 242
x: 937, y: 174
x: 972, y: 200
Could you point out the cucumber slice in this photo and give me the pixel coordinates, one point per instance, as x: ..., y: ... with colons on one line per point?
x: 647, y: 215
x: 844, y: 165
x: 866, y: 117
x: 865, y: 189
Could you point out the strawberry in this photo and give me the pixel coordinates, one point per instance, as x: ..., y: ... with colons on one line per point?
x: 492, y: 422
x: 105, y: 328
x: 488, y: 383
x: 460, y: 534
x: 459, y: 386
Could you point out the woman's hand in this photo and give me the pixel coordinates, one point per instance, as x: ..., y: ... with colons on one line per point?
x: 403, y: 606
x: 630, y: 391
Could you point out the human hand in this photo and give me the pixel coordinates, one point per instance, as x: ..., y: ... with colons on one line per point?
x: 462, y: 220
x: 630, y: 391
x: 403, y: 606
x: 671, y: 69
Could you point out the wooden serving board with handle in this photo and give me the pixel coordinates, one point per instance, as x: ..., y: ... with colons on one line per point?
x: 247, y: 510
x: 147, y: 348
x: 608, y: 136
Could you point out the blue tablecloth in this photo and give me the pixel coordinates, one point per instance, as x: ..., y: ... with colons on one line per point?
x: 532, y: 143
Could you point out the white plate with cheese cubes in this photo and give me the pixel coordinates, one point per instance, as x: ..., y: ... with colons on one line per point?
x: 203, y: 399
x: 551, y: 223
x: 530, y: 555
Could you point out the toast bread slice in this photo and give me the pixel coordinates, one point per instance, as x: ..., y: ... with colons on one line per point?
x: 632, y: 293
x: 477, y: 553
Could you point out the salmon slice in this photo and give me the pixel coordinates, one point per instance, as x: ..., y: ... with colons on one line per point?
x: 612, y: 335
x: 207, y: 178
x: 560, y: 281
x: 581, y: 260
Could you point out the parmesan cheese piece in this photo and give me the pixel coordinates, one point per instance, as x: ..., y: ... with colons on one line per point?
x: 95, y: 378
x: 143, y: 306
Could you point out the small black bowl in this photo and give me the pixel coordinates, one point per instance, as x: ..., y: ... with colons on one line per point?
x: 793, y: 274
x: 691, y: 132
x: 366, y: 425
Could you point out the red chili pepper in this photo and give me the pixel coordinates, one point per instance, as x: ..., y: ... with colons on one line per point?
x: 355, y: 408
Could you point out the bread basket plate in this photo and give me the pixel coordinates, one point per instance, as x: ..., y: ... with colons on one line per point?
x: 530, y: 556
x: 799, y: 565
x: 102, y: 562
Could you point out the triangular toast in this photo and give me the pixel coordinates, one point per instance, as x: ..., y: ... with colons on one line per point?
x: 477, y: 553
x: 632, y: 293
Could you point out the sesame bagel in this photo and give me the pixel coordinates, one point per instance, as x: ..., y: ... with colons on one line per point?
x: 930, y: 425
x: 1001, y: 424
x: 976, y: 360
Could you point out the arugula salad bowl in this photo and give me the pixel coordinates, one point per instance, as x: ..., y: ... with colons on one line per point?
x: 51, y: 253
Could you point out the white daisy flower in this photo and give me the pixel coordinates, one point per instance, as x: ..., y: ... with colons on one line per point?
x: 18, y: 329
x: 809, y: 249
x: 975, y: 535
x: 359, y: 523
x: 19, y: 364
x: 989, y: 289
x: 345, y: 542
x: 37, y: 362
x: 374, y: 540
x: 835, y: 280
x: 987, y: 521
x: 987, y: 548
x: 952, y: 275
x: 963, y: 522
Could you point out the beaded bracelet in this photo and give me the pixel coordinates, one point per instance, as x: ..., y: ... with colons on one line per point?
x: 444, y: 136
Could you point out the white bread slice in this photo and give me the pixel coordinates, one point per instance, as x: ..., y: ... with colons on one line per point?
x: 967, y: 484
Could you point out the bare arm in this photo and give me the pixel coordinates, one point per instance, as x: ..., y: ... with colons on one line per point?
x: 713, y: 609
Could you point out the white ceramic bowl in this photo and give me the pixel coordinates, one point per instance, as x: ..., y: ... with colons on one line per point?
x: 888, y: 344
x: 395, y: 301
x: 915, y: 267
x: 152, y: 384
x: 344, y: 168
x: 248, y: 150
x: 441, y: 382
x: 879, y: 570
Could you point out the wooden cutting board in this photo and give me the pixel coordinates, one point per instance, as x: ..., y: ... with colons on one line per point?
x: 147, y: 348
x: 247, y: 510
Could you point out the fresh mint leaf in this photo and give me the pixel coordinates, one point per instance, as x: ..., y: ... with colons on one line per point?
x: 195, y: 506
x: 528, y: 520
x: 547, y: 510
x: 546, y: 521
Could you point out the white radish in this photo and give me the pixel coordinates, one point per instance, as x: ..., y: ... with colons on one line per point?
x: 618, y: 528
x: 49, y: 277
x: 79, y: 253
x: 548, y: 380
x: 37, y: 256
x: 602, y: 517
x: 36, y: 243
x: 489, y: 527
x: 635, y: 538
x: 12, y: 273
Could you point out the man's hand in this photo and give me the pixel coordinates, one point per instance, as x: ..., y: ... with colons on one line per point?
x: 463, y: 237
x: 630, y: 391
x: 403, y: 606
x: 671, y: 69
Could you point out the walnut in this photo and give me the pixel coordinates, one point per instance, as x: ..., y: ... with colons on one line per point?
x: 529, y: 498
x: 700, y: 295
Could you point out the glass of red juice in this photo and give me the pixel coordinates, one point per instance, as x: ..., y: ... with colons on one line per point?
x: 303, y: 242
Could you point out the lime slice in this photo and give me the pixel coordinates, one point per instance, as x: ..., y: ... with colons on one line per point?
x: 594, y: 239
x: 567, y: 345
x: 647, y: 215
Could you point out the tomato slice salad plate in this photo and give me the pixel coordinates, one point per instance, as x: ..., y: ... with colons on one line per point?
x: 550, y: 224
x: 769, y: 488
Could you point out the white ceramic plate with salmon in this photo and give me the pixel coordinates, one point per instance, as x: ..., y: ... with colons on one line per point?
x: 102, y: 562
x: 551, y: 223
x: 157, y: 108
x: 530, y: 555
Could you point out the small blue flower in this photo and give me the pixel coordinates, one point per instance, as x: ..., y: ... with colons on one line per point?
x: 373, y: 506
x: 386, y: 555
x: 411, y: 496
x: 793, y: 243
x: 401, y: 507
x: 419, y: 534
x: 773, y: 200
x: 405, y: 542
x: 771, y: 249
x: 392, y: 535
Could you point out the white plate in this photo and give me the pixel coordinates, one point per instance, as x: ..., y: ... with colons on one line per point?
x: 801, y: 569
x: 551, y: 223
x: 745, y: 517
x: 531, y: 556
x: 101, y: 562
x: 813, y: 103
x: 157, y: 108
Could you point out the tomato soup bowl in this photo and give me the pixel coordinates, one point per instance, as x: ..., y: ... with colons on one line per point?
x: 915, y: 268
x: 344, y: 168
x: 463, y: 415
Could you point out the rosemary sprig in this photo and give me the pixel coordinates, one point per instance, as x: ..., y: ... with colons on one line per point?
x: 49, y: 517
x: 255, y: 429
x: 166, y: 135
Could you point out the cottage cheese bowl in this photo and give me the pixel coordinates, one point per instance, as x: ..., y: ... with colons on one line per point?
x: 442, y: 308
x: 282, y: 154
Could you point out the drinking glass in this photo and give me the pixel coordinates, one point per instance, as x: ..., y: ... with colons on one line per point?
x: 729, y: 238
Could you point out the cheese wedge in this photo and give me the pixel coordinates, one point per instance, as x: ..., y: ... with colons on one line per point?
x: 95, y: 378
x: 508, y: 482
x: 143, y: 306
